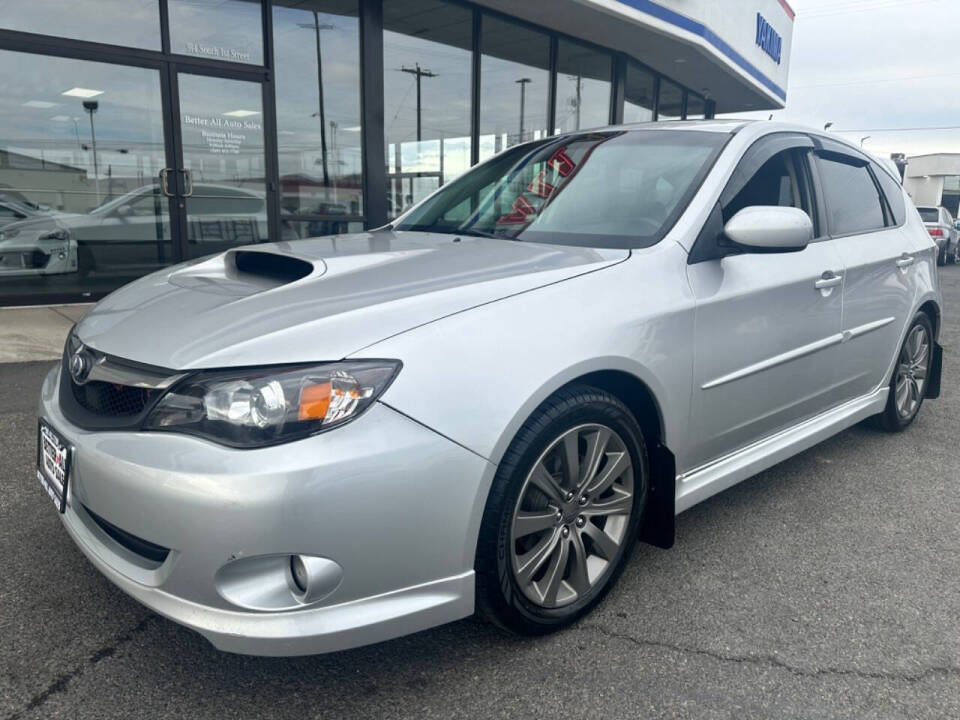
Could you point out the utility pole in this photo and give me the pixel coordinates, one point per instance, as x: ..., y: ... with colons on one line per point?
x: 91, y: 107
x: 316, y: 26
x: 523, y: 91
x: 419, y: 73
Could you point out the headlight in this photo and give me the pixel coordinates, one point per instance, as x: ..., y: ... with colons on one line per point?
x: 60, y: 234
x: 266, y: 406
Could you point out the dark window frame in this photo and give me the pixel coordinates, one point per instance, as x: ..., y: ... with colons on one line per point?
x: 837, y: 155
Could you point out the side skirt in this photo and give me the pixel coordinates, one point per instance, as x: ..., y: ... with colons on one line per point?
x: 701, y: 483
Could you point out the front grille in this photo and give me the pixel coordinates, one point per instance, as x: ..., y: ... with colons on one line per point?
x: 103, y: 398
x: 143, y: 548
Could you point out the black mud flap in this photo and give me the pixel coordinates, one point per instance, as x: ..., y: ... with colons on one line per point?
x: 936, y: 369
x: 658, y: 520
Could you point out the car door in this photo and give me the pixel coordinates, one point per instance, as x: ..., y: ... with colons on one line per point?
x: 766, y: 325
x: 878, y: 293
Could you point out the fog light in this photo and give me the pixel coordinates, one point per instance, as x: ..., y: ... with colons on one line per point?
x: 299, y: 572
x: 314, y: 578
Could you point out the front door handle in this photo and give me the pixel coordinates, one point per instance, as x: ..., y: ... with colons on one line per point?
x: 829, y: 279
x: 905, y: 261
x: 165, y: 181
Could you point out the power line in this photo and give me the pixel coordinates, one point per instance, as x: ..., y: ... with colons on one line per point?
x: 901, y: 129
x: 829, y: 11
x: 876, y: 81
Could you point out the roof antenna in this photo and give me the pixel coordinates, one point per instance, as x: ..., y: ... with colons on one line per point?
x: 771, y: 117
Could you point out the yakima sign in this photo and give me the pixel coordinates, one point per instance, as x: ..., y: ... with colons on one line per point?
x: 769, y: 39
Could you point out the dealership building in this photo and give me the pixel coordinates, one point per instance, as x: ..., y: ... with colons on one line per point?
x: 139, y: 133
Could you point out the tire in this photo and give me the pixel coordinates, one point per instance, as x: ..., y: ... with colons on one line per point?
x: 514, y: 588
x: 942, y: 257
x: 955, y: 255
x: 895, y: 417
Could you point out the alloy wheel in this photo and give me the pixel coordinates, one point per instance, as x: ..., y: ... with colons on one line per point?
x: 572, y: 515
x: 912, y: 369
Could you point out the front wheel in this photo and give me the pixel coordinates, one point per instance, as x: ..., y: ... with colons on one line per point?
x: 563, y: 512
x: 909, y: 382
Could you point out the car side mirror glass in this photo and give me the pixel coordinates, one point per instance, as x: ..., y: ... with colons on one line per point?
x: 764, y: 228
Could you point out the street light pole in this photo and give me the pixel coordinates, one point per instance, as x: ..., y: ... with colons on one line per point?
x: 523, y: 92
x: 316, y: 26
x: 91, y: 106
x: 419, y: 74
x: 866, y: 137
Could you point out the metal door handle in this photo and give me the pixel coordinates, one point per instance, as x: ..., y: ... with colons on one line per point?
x: 905, y: 261
x: 828, y: 280
x: 188, y: 176
x: 165, y: 181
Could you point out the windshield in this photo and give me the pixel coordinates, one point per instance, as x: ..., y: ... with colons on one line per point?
x: 929, y: 214
x: 611, y: 189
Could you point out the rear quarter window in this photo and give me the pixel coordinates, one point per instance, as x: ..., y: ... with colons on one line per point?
x: 893, y: 191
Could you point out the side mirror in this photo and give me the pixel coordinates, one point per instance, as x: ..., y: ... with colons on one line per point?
x: 124, y: 211
x: 764, y: 228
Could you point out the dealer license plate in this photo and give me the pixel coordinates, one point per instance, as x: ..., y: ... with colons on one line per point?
x: 53, y: 464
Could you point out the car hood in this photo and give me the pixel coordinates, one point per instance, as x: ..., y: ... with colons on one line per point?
x: 318, y: 299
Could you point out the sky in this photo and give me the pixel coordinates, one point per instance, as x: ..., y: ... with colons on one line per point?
x: 877, y: 68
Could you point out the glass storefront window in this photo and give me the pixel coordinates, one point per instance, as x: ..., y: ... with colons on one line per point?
x: 670, y: 106
x: 221, y: 122
x: 230, y: 30
x: 514, y: 85
x: 583, y: 87
x: 81, y: 148
x: 306, y: 228
x: 133, y: 23
x: 639, y: 91
x: 696, y: 107
x: 427, y: 65
x: 317, y: 56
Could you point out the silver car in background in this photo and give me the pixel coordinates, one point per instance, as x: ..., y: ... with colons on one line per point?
x: 943, y: 229
x: 308, y: 446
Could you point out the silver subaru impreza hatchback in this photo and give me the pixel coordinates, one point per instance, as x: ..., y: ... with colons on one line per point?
x: 307, y: 446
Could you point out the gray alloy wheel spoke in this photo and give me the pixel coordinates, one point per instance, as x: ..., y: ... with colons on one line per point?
x: 617, y: 464
x: 532, y: 561
x: 603, y: 543
x: 528, y: 522
x: 579, y: 578
x: 596, y: 447
x: 620, y: 504
x: 542, y: 478
x: 553, y: 561
x: 571, y: 454
x: 554, y: 576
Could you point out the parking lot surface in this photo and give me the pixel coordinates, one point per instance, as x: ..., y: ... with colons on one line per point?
x: 828, y: 586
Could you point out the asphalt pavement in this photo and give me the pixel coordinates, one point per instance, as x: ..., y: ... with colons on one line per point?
x: 826, y: 587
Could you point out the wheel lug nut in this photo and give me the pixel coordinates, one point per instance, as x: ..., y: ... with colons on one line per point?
x: 559, y: 516
x: 581, y: 521
x: 583, y: 499
x: 568, y: 497
x: 566, y: 531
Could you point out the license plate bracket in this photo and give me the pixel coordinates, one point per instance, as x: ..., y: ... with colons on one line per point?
x: 53, y: 463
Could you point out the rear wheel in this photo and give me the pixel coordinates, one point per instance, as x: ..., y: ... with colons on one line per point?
x: 909, y: 382
x: 942, y: 256
x: 563, y: 512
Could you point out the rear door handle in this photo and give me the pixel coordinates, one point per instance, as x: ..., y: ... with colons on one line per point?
x: 905, y: 261
x: 829, y: 279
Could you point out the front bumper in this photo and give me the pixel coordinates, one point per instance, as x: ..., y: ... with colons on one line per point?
x: 392, y: 503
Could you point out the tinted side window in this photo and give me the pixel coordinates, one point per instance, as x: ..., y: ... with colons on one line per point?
x: 894, y: 194
x: 852, y: 199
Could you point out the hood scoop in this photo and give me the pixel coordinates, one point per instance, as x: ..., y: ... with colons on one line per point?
x: 239, y: 273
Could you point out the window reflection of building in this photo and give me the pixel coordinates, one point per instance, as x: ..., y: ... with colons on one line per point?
x: 583, y: 87
x: 436, y: 36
